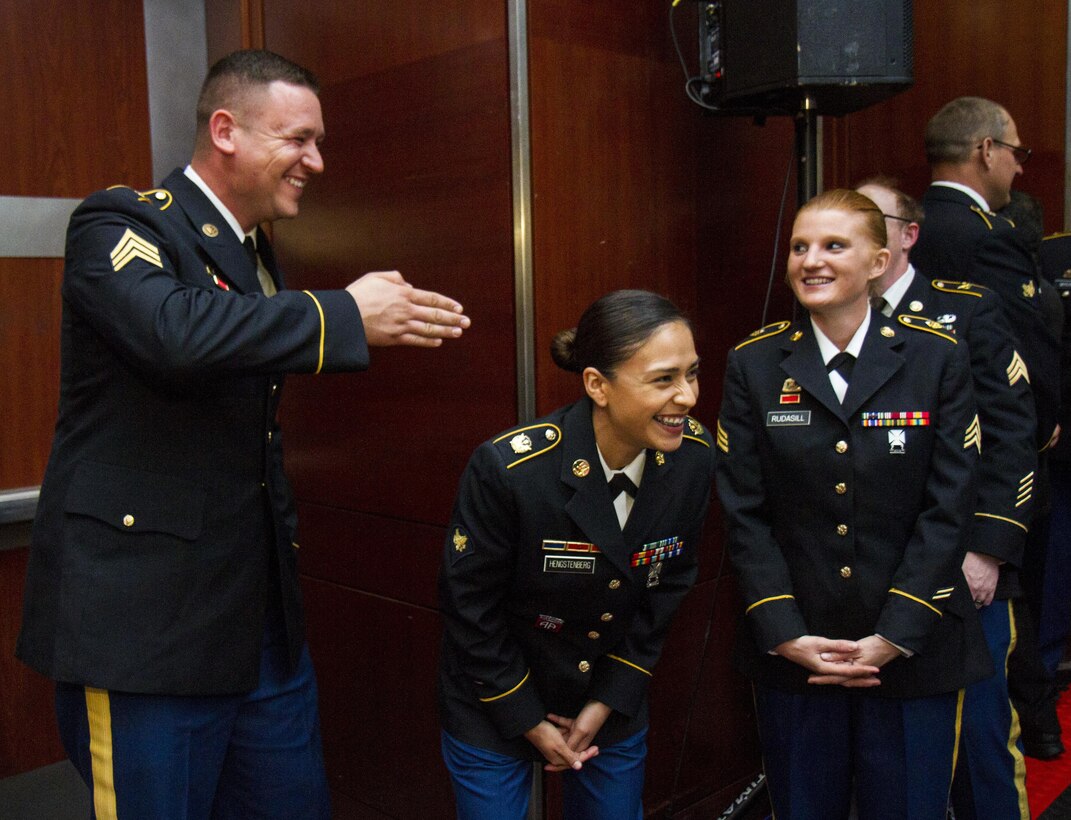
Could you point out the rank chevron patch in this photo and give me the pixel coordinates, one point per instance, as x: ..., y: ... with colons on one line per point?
x: 1026, y: 489
x: 1017, y: 369
x: 973, y: 437
x: 130, y: 247
x: 723, y: 438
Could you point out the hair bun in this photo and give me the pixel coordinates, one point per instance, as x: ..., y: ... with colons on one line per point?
x: 563, y: 350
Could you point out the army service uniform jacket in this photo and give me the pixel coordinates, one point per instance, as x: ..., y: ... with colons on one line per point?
x: 547, y: 603
x: 165, y: 522
x: 959, y: 241
x: 1001, y: 382
x: 847, y: 520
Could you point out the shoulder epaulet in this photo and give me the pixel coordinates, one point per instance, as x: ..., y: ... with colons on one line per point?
x: 962, y: 288
x: 697, y: 432
x: 764, y: 333
x: 523, y: 443
x: 984, y: 216
x: 160, y: 197
x: 924, y: 324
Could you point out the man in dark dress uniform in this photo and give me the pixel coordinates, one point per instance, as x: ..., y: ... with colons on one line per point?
x: 990, y: 759
x: 162, y: 591
x: 974, y: 152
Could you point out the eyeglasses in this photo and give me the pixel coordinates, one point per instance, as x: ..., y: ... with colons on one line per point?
x: 903, y: 219
x: 1022, y: 153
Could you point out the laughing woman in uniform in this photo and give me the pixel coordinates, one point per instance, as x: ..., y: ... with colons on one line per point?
x: 572, y: 543
x: 846, y: 490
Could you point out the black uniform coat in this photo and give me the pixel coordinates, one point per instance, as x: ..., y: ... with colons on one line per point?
x: 844, y: 530
x: 1006, y: 468
x: 533, y: 627
x: 165, y: 521
x: 959, y: 241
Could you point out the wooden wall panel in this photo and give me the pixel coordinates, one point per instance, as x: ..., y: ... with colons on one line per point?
x: 417, y: 155
x: 29, y: 366
x: 984, y: 48
x: 613, y: 167
x: 77, y: 116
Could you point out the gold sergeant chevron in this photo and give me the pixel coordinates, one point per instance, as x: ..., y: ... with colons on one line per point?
x: 130, y: 247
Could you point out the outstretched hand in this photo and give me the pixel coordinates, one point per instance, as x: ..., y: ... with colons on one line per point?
x: 396, y: 313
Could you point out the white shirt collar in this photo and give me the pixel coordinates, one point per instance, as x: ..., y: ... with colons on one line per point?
x: 634, y: 469
x: 973, y: 194
x: 195, y: 178
x: 829, y: 350
x: 898, y: 288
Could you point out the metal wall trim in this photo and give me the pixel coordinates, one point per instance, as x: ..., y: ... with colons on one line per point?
x: 521, y: 151
x: 34, y: 227
x: 176, y: 62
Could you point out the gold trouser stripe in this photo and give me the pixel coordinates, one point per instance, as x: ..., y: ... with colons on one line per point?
x: 323, y: 329
x: 1019, y: 761
x: 959, y: 736
x: 98, y: 710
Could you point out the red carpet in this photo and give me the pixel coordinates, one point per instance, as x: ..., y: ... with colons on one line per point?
x: 1047, y: 780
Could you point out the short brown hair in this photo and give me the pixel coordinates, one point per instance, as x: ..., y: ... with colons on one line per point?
x: 956, y: 130
x: 907, y: 207
x: 232, y: 78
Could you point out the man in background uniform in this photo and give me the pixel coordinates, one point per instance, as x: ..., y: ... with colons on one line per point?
x: 990, y: 775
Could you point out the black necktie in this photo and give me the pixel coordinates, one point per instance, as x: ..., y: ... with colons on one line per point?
x: 843, y: 363
x: 251, y: 252
x: 881, y: 305
x: 621, y: 483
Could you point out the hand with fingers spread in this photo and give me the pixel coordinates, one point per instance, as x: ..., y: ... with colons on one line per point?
x: 552, y: 744
x: 396, y: 313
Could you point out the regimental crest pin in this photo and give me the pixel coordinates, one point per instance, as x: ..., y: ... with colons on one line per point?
x: 660, y: 458
x: 897, y: 442
x: 461, y: 542
x: 1029, y: 291
x: 520, y: 443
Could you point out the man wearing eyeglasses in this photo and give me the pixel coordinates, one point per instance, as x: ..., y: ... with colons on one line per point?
x: 989, y: 773
x: 974, y: 152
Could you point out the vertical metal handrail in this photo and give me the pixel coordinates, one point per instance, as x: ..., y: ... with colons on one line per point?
x: 520, y: 137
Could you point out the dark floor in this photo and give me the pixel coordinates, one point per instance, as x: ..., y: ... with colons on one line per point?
x: 53, y: 792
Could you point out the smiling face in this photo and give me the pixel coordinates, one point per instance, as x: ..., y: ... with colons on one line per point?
x: 645, y: 404
x: 832, y: 259
x: 276, y: 140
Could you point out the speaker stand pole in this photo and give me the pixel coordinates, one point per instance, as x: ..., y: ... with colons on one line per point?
x: 806, y: 150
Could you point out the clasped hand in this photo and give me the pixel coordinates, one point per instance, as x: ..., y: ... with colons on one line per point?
x: 566, y: 742
x: 854, y: 664
x: 396, y: 313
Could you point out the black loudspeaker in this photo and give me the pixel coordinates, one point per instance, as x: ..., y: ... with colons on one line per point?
x: 768, y: 55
